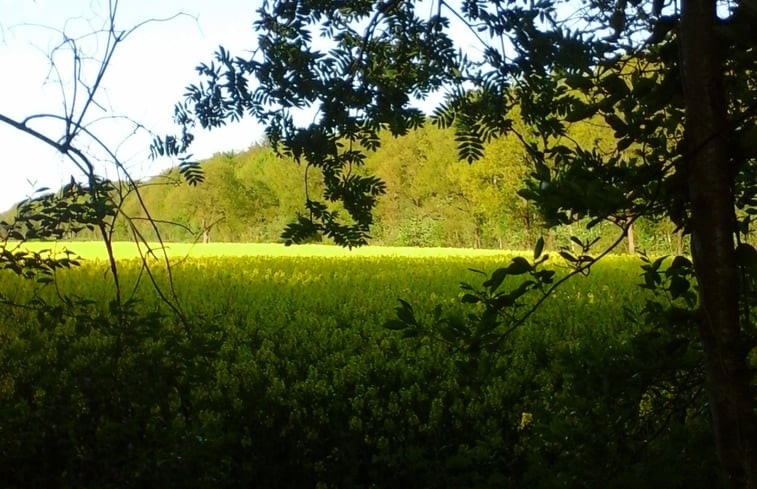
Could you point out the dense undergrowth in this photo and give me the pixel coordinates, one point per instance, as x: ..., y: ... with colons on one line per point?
x: 283, y: 376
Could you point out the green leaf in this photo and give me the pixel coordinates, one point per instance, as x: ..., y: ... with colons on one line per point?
x: 568, y: 257
x: 615, y: 86
x: 678, y: 286
x: 580, y: 82
x: 503, y: 301
x: 580, y: 112
x: 191, y: 171
x: 545, y: 276
x: 538, y: 248
x: 658, y: 262
x: 519, y: 266
x: 470, y: 299
x: 449, y: 334
x: 617, y: 124
x: 624, y: 143
x: 395, y: 325
x: 496, y: 279
x: 405, y: 312
x: 681, y: 262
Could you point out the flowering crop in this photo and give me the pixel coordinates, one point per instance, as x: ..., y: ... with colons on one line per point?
x: 286, y: 378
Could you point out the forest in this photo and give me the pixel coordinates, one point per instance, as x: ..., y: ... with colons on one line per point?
x: 431, y: 199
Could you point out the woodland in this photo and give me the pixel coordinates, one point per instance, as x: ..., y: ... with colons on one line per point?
x: 431, y: 199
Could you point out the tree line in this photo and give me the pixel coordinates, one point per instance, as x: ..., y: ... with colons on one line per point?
x: 431, y: 199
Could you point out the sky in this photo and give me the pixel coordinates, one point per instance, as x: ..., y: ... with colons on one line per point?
x: 146, y: 77
x: 144, y: 80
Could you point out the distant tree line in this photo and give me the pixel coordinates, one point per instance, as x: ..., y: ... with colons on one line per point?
x: 432, y: 199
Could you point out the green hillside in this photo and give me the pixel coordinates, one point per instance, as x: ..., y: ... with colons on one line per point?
x: 431, y: 199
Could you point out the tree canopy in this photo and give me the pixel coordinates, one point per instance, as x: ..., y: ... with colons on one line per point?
x: 431, y: 199
x: 675, y: 80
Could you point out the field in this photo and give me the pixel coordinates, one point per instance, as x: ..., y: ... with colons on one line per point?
x: 328, y: 283
x: 283, y: 375
x: 124, y: 250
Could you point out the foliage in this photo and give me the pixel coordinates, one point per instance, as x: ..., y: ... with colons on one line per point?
x: 289, y: 378
x: 431, y: 199
x: 345, y: 94
x: 665, y: 79
x: 262, y: 413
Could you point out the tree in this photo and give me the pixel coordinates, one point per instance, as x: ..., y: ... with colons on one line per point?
x: 417, y: 192
x: 489, y: 190
x: 674, y: 79
x: 278, y: 191
x: 79, y: 132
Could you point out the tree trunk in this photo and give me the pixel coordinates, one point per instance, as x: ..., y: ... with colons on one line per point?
x: 631, y: 238
x: 205, y: 232
x: 710, y: 186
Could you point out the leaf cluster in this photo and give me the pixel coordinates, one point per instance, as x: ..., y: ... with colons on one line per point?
x: 362, y: 84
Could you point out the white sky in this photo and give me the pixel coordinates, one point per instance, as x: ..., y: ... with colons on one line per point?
x: 146, y: 78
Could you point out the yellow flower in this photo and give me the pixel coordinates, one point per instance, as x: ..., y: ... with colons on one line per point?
x: 525, y: 421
